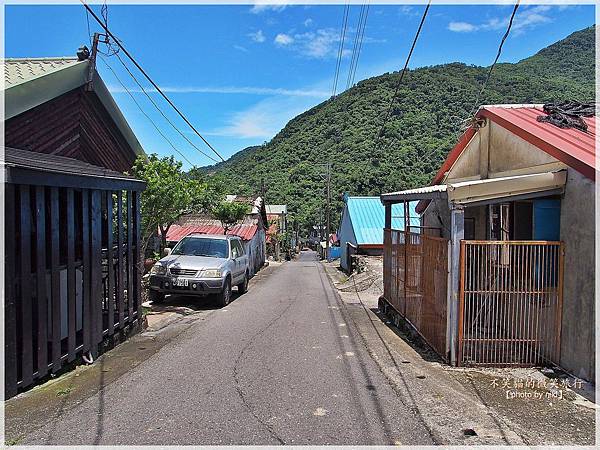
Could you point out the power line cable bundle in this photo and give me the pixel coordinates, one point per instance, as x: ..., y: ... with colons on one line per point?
x: 340, y: 49
x: 110, y: 35
x: 358, y: 40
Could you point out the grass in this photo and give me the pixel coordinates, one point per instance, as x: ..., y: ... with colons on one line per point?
x: 62, y: 392
x: 13, y: 441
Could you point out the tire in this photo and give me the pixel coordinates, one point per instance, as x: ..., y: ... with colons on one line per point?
x: 224, y: 297
x: 155, y: 296
x: 243, y: 286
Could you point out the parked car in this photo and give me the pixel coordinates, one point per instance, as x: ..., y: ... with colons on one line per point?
x: 200, y: 265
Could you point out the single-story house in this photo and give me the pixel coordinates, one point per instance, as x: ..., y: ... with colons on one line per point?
x: 277, y: 226
x: 72, y: 218
x: 514, y: 201
x: 252, y: 230
x: 361, y: 226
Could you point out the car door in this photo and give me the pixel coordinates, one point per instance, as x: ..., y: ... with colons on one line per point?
x: 237, y: 254
x: 244, y: 259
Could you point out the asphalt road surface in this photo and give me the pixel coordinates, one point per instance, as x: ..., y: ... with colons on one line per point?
x: 279, y: 365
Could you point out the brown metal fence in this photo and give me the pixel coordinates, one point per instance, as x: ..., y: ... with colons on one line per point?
x: 510, y: 302
x: 416, y: 282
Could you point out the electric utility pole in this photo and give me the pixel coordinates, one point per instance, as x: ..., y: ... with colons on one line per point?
x: 327, y: 179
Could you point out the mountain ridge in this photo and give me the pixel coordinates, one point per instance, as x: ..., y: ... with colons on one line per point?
x: 421, y: 130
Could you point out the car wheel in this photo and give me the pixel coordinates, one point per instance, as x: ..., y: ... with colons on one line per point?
x: 225, y: 296
x: 243, y: 287
x: 155, y: 296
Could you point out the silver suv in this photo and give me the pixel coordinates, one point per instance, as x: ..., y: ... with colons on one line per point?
x: 201, y: 264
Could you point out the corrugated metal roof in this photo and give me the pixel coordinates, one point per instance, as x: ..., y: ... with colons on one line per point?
x: 367, y: 215
x: 244, y: 231
x: 21, y: 70
x: 423, y: 190
x: 573, y: 147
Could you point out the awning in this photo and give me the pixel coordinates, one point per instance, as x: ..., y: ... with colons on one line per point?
x: 486, y: 191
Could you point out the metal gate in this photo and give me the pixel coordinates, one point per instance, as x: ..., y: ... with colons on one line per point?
x: 510, y: 302
x: 416, y: 282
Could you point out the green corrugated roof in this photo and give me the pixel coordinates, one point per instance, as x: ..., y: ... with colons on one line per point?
x: 367, y: 215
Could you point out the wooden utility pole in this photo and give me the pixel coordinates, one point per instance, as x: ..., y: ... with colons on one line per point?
x: 328, y: 212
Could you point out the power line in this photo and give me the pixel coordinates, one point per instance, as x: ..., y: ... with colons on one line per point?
x: 144, y: 112
x: 476, y: 105
x: 357, y: 43
x: 360, y: 43
x: 387, y: 116
x: 489, y: 74
x: 161, y: 111
x: 132, y: 59
x: 341, y: 48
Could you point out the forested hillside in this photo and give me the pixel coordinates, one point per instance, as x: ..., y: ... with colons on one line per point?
x: 422, y: 128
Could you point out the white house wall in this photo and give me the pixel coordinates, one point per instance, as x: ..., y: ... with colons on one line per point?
x: 346, y: 235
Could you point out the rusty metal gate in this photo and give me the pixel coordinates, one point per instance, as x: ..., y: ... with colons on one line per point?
x: 510, y: 303
x: 416, y: 283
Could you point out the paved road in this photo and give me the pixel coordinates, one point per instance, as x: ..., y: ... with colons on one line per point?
x: 280, y: 365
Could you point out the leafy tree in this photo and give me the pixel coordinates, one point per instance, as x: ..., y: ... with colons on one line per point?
x: 169, y: 194
x: 229, y: 213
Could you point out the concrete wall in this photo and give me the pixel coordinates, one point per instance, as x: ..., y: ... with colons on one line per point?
x: 437, y: 214
x: 577, y: 222
x: 478, y: 213
x: 346, y: 235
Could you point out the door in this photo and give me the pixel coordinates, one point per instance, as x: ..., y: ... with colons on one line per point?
x: 239, y: 263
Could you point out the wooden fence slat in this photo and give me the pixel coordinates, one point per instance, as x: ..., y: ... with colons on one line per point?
x: 85, y: 241
x: 139, y: 258
x: 25, y: 275
x: 41, y: 297
x: 10, y: 315
x: 96, y: 271
x: 120, y: 271
x: 110, y: 266
x: 130, y: 292
x: 55, y: 278
x: 71, y: 275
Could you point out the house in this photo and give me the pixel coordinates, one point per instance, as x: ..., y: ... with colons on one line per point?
x: 277, y: 213
x: 252, y: 230
x: 61, y: 106
x: 514, y: 201
x: 277, y: 220
x: 361, y: 226
x: 72, y: 218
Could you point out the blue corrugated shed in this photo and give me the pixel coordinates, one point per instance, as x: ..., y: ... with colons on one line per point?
x: 367, y: 216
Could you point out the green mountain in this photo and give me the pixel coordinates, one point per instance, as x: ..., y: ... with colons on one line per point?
x: 423, y: 126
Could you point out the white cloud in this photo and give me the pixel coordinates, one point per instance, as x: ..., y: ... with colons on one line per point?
x: 322, y: 43
x: 241, y: 48
x: 461, y: 27
x: 257, y: 36
x: 526, y: 18
x: 264, y: 119
x: 274, y: 5
x: 308, y: 22
x: 283, y: 39
x: 248, y: 90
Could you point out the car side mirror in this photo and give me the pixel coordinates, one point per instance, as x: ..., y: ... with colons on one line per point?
x: 166, y: 251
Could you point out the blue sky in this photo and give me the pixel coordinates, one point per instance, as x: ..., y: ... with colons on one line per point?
x: 241, y: 72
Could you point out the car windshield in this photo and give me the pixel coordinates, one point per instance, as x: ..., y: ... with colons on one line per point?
x: 190, y: 246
